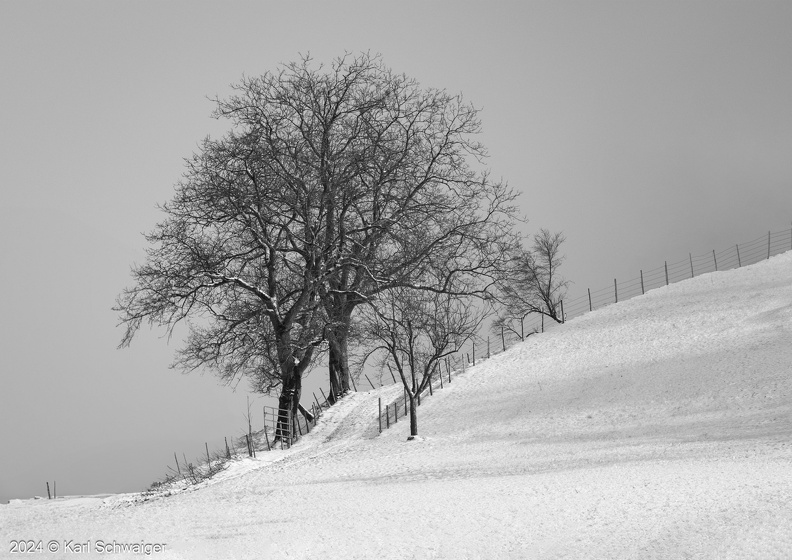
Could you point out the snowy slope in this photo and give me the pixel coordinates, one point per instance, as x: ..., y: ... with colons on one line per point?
x: 659, y: 427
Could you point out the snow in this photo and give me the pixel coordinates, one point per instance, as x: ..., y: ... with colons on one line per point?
x: 658, y: 427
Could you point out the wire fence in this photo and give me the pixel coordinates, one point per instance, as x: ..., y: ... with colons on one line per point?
x: 279, y: 432
x: 391, y: 411
x: 736, y: 256
x: 482, y: 347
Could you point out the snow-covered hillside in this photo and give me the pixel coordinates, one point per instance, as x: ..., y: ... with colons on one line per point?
x: 660, y: 427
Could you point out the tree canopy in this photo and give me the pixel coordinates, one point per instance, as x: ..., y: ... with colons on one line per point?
x: 332, y: 186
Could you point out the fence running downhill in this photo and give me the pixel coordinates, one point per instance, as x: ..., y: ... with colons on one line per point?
x: 280, y: 430
x: 393, y: 410
x: 736, y: 256
x: 276, y: 423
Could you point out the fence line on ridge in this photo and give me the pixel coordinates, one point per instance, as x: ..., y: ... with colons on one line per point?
x: 736, y: 256
x: 483, y: 347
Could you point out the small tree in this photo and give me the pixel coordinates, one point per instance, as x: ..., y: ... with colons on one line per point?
x: 532, y: 284
x: 505, y: 322
x: 414, y: 331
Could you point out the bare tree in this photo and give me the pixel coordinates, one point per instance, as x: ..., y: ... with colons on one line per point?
x: 532, y: 284
x: 238, y: 257
x: 394, y: 163
x: 333, y: 186
x: 414, y: 330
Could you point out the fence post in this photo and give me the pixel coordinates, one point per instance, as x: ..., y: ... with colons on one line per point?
x: 691, y: 265
x: 739, y: 264
x: 323, y: 395
x: 208, y: 459
x: 352, y: 379
x: 178, y: 468
x: 280, y: 428
x: 488, y: 347
x: 395, y: 414
x: 49, y: 496
x: 589, y: 292
x: 615, y: 291
x: 317, y: 401
x: 666, y: 269
x: 474, y: 353
x: 642, y: 286
x: 542, y: 322
x: 768, y: 244
x: 503, y: 339
x: 369, y: 380
x: 563, y: 315
x: 387, y: 417
x: 714, y: 258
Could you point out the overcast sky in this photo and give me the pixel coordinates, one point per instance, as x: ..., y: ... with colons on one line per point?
x: 643, y: 130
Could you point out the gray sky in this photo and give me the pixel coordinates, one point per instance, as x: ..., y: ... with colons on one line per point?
x: 643, y: 130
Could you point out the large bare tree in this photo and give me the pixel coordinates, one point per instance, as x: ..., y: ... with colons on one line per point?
x: 334, y: 185
x: 401, y: 170
x: 239, y: 258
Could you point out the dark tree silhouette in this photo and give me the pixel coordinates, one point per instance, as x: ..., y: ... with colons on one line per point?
x: 394, y: 163
x: 333, y: 186
x: 239, y: 258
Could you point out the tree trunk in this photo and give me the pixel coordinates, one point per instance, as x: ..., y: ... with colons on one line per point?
x: 288, y: 405
x: 413, y: 417
x: 338, y: 342
x: 338, y: 365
